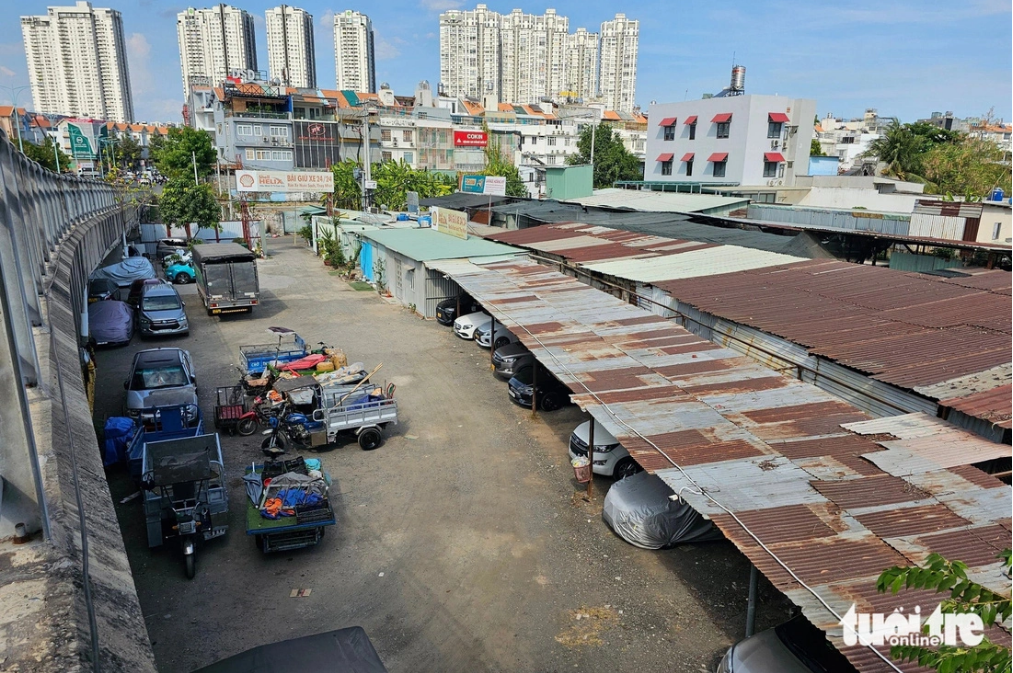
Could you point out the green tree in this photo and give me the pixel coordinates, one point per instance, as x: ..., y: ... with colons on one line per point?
x: 44, y: 156
x: 183, y: 203
x: 612, y: 161
x: 347, y: 190
x: 967, y: 167
x: 901, y: 150
x: 128, y: 152
x: 815, y: 149
x: 394, y: 179
x: 966, y: 596
x: 175, y: 155
x: 497, y: 164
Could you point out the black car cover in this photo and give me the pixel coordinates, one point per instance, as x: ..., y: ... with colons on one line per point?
x: 342, y: 651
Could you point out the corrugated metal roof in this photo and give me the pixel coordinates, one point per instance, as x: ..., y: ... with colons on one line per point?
x: 426, y: 244
x: 693, y: 264
x: 648, y: 257
x: 911, y: 330
x: 989, y: 405
x: 659, y: 202
x: 762, y: 454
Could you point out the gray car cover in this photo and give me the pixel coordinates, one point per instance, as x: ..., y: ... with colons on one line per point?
x: 126, y: 272
x: 638, y: 509
x: 110, y: 322
x: 342, y: 651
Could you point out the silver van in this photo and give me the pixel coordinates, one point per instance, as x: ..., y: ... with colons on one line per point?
x: 160, y: 311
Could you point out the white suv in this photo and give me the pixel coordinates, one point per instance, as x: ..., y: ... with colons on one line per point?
x: 610, y: 458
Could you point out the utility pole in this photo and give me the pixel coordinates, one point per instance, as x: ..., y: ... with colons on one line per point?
x: 194, y: 157
x: 15, y: 91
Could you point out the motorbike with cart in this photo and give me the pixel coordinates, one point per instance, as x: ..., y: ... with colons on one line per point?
x: 287, y: 505
x: 185, y: 494
x: 363, y: 411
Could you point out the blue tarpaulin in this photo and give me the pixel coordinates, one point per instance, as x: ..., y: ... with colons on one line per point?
x: 118, y: 432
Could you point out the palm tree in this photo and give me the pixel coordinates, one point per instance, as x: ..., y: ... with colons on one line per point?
x: 901, y: 150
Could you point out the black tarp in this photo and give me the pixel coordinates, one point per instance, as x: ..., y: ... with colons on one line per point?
x: 343, y: 651
x: 221, y: 252
x: 459, y: 200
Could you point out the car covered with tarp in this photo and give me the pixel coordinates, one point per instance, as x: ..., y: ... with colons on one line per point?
x: 640, y: 510
x: 126, y: 272
x: 347, y: 650
x: 110, y: 323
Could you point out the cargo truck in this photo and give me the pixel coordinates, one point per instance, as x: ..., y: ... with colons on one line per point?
x: 226, y: 277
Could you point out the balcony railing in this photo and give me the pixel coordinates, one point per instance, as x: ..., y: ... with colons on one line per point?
x: 257, y: 115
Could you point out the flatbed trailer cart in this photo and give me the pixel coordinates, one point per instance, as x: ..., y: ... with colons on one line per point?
x: 303, y: 528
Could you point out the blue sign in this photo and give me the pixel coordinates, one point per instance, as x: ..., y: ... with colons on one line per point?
x: 474, y: 184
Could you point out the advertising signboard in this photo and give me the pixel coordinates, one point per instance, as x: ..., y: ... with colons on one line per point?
x: 452, y: 222
x: 80, y: 147
x: 284, y: 181
x: 470, y: 139
x: 492, y: 185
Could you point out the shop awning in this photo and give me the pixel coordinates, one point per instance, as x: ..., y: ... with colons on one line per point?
x: 718, y: 157
x: 668, y: 121
x: 665, y: 157
x: 776, y: 157
x: 688, y: 156
x: 777, y: 117
x: 722, y: 118
x: 690, y: 120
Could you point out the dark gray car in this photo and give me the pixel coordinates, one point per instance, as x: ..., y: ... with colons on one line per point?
x: 160, y: 311
x: 509, y: 359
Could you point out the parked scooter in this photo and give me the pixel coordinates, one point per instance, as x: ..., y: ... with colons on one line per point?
x: 288, y: 428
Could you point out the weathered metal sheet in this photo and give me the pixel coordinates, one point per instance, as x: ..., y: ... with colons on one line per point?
x: 906, y: 329
x: 739, y: 445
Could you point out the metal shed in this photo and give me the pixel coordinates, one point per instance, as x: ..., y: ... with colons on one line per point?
x: 396, y: 259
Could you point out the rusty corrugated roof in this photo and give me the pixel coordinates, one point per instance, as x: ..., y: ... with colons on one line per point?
x: 761, y: 454
x: 911, y: 330
x: 990, y: 405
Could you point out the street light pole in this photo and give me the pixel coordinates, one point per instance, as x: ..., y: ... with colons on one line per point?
x: 15, y: 91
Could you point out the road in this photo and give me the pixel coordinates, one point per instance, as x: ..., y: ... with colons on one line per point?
x: 462, y: 544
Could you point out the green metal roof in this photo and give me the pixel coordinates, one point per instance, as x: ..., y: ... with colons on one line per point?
x: 428, y: 244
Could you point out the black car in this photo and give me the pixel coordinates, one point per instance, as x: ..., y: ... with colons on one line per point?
x: 550, y: 392
x: 509, y: 359
x: 446, y: 310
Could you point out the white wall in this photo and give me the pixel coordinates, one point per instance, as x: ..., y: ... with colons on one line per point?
x: 991, y: 216
x: 746, y: 144
x: 870, y: 199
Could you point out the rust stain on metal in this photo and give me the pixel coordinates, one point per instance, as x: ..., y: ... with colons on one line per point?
x: 869, y: 491
x: 975, y: 546
x: 911, y: 520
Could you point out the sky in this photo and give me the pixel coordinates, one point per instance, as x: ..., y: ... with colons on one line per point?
x: 903, y: 57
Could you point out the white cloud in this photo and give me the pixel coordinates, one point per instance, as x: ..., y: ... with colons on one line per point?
x: 385, y: 49
x: 6, y: 72
x: 440, y: 5
x: 138, y: 54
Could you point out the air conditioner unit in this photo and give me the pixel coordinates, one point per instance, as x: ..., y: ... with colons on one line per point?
x: 274, y: 141
x: 394, y: 143
x: 266, y: 141
x: 774, y: 144
x: 770, y: 183
x: 779, y: 182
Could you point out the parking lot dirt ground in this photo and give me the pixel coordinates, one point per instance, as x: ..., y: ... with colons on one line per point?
x: 462, y: 544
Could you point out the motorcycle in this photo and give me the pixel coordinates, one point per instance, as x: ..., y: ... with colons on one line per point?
x: 287, y: 428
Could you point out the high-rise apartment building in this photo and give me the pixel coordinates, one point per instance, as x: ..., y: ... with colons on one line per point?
x: 213, y: 42
x: 77, y: 62
x: 522, y: 58
x: 620, y: 38
x: 291, y: 53
x: 532, y: 56
x: 582, y: 65
x: 470, y: 53
x: 354, y: 59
